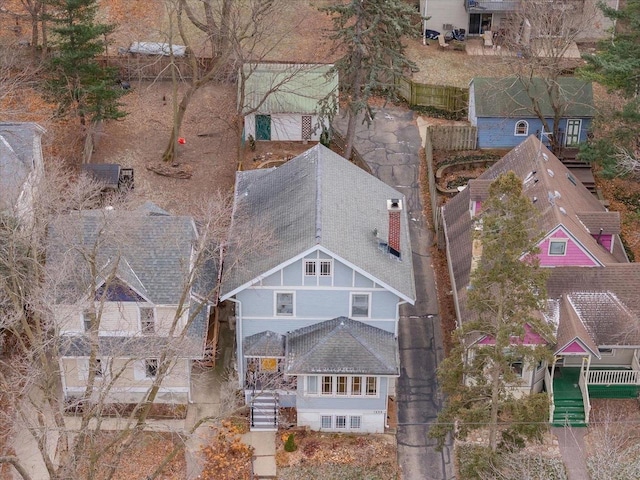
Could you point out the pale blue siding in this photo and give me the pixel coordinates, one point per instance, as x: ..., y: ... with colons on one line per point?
x: 383, y: 304
x: 272, y: 280
x: 292, y: 274
x: 346, y: 403
x: 362, y: 281
x: 500, y: 132
x: 256, y: 302
x: 342, y: 275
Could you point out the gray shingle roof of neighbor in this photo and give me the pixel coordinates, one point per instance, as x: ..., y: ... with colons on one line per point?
x: 150, y: 252
x: 604, y: 299
x: 287, y: 87
x: 19, y: 151
x: 265, y: 344
x: 507, y: 97
x: 135, y: 347
x: 319, y: 199
x: 342, y: 345
x: 557, y: 199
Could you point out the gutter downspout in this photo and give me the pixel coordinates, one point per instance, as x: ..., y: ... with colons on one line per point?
x: 395, y: 327
x: 424, y: 24
x: 239, y: 352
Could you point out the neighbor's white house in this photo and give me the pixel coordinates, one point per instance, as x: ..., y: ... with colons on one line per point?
x: 126, y: 311
x: 478, y: 16
x: 281, y: 101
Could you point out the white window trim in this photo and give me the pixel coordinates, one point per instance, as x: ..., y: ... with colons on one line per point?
x: 154, y: 318
x: 515, y: 129
x: 334, y: 387
x: 368, y: 315
x: 330, y: 418
x: 319, y: 267
x: 275, y: 303
x: 557, y: 240
x: 351, y: 421
x: 315, y: 268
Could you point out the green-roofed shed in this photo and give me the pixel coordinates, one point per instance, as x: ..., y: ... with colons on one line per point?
x: 281, y: 100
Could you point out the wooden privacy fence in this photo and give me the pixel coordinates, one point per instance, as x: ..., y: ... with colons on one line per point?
x: 155, y: 67
x: 453, y: 137
x: 443, y: 97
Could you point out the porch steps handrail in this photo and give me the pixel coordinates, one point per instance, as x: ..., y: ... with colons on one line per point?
x: 614, y: 377
x: 549, y: 383
x: 584, y: 389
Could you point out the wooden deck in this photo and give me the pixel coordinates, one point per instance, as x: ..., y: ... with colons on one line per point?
x: 475, y: 46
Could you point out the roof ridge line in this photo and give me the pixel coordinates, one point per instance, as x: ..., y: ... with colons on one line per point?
x: 318, y: 199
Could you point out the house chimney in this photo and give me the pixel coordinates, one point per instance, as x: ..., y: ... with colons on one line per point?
x: 394, y: 206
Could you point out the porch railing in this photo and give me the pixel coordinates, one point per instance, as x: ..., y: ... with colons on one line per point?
x: 584, y: 389
x: 614, y: 377
x: 549, y: 383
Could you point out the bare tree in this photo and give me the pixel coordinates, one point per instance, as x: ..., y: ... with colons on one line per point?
x: 60, y: 282
x: 235, y: 31
x: 544, y: 35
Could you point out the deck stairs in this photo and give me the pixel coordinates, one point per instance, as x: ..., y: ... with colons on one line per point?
x: 567, y: 399
x: 264, y: 412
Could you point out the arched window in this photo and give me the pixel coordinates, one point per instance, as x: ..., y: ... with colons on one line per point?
x: 522, y: 128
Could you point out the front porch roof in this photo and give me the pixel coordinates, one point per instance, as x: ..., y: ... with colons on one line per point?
x: 265, y: 344
x: 342, y: 346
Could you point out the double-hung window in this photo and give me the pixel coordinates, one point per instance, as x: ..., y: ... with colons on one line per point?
x: 284, y: 303
x: 147, y: 320
x: 360, y: 305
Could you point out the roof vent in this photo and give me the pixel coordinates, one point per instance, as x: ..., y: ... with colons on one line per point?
x: 572, y: 179
x: 545, y: 156
x: 550, y: 172
x: 529, y: 176
x: 562, y: 211
x: 557, y: 194
x: 534, y: 200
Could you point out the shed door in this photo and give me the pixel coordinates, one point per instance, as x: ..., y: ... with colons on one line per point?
x: 573, y: 132
x: 263, y: 127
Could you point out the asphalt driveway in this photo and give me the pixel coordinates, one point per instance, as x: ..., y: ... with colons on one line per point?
x: 391, y: 146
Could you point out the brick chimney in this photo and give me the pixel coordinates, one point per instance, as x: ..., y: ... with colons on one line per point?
x: 394, y: 206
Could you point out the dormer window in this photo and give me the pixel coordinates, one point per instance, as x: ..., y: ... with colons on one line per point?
x: 522, y: 128
x: 147, y: 321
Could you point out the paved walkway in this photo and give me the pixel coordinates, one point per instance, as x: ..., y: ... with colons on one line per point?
x: 572, y: 449
x: 391, y: 149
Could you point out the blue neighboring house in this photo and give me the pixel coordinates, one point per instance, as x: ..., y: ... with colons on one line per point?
x: 317, y: 308
x: 504, y: 114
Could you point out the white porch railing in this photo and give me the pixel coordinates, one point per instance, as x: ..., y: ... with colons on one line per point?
x: 549, y: 384
x: 584, y: 389
x: 614, y: 377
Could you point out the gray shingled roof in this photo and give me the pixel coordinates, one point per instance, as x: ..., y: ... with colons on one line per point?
x: 549, y: 180
x: 150, y: 252
x: 19, y: 152
x: 136, y: 347
x: 605, y: 300
x: 319, y: 199
x: 507, y: 97
x: 342, y: 346
x: 264, y: 344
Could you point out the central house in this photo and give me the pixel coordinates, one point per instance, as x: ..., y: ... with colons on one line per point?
x: 317, y: 307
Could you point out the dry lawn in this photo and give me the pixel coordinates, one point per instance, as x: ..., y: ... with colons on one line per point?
x: 337, y: 456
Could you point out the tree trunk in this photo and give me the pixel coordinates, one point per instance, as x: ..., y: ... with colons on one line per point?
x: 495, y: 401
x: 351, y: 134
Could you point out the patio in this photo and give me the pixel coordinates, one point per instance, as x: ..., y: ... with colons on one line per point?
x: 475, y: 47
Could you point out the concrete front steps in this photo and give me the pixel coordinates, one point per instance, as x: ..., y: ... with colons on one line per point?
x: 264, y: 412
x: 568, y: 412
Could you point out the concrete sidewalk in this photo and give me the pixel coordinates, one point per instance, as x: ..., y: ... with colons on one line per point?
x: 264, y: 453
x: 573, y: 451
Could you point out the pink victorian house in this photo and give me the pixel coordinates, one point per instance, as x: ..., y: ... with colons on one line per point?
x: 592, y: 290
